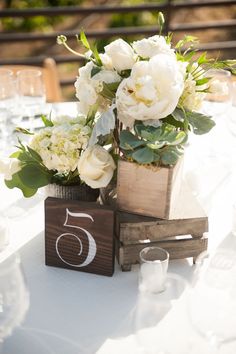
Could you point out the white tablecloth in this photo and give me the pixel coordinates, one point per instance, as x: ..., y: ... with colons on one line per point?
x: 75, y: 313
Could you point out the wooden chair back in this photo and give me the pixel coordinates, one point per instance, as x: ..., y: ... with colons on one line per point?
x: 50, y: 78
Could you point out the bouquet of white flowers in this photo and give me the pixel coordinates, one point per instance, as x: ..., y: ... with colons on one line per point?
x: 147, y: 95
x: 57, y: 154
x: 141, y: 99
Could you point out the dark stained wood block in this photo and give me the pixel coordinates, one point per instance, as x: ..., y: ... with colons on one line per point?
x: 79, y: 236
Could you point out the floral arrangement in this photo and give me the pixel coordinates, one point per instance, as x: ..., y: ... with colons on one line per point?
x: 58, y: 154
x: 147, y: 95
x: 141, y: 99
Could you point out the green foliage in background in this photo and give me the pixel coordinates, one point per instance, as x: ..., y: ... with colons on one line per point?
x: 37, y: 22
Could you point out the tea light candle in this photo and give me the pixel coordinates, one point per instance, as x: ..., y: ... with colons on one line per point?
x: 4, y: 235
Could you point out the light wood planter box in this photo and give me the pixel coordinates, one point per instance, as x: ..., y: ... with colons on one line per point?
x: 148, y: 190
x: 183, y: 236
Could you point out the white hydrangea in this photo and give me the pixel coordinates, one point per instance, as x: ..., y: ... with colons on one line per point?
x: 60, y: 146
x: 88, y: 88
x: 149, y: 47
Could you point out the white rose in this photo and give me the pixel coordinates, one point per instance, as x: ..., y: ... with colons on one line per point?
x: 96, y: 167
x: 121, y: 55
x: 8, y: 167
x: 149, y: 47
x: 151, y: 92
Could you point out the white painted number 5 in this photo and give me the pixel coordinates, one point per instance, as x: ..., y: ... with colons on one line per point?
x: 92, y: 248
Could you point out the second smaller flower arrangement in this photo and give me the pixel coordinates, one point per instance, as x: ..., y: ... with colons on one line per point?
x: 58, y: 153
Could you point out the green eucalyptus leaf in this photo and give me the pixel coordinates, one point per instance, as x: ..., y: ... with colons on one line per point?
x: 200, y: 123
x: 178, y: 114
x: 128, y: 141
x: 144, y: 155
x: 103, y: 127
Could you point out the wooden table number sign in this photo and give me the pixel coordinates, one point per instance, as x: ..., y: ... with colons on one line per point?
x: 79, y: 236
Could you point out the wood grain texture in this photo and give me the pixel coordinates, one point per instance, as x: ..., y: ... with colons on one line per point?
x: 67, y: 240
x: 131, y: 228
x: 178, y: 249
x: 148, y: 190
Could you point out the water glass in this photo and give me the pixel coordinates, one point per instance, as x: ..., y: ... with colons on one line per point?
x: 31, y: 93
x: 7, y: 103
x: 14, y: 296
x: 153, y: 269
x: 220, y: 95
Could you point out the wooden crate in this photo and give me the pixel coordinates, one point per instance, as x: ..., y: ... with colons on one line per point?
x: 148, y: 190
x: 182, y: 236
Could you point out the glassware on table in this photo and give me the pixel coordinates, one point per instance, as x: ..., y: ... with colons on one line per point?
x: 4, y: 232
x: 211, y: 303
x: 31, y: 91
x: 153, y: 269
x: 219, y: 100
x: 14, y: 296
x: 7, y: 104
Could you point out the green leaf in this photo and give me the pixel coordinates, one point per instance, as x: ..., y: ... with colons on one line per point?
x: 200, y: 123
x: 203, y: 81
x: 47, y: 122
x: 178, y: 115
x: 144, y: 155
x: 169, y: 156
x: 34, y: 176
x: 202, y: 59
x: 16, y: 182
x: 23, y: 131
x: 109, y: 90
x: 84, y: 40
x: 128, y: 141
x: 103, y: 127
x: 34, y: 154
x: 95, y: 70
x: 97, y: 56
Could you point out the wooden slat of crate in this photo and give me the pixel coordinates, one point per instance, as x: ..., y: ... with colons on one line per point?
x: 178, y: 249
x: 131, y: 228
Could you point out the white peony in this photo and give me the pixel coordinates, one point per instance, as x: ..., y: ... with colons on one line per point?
x: 121, y: 55
x: 149, y: 47
x: 88, y: 88
x: 96, y: 167
x: 151, y: 92
x: 8, y: 167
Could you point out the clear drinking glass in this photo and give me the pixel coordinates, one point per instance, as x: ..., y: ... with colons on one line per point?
x: 7, y: 103
x: 153, y: 269
x: 219, y: 100
x: 14, y: 296
x: 212, y: 305
x: 31, y: 93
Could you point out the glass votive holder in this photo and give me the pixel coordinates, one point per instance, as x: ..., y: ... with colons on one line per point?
x: 4, y: 233
x: 153, y: 269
